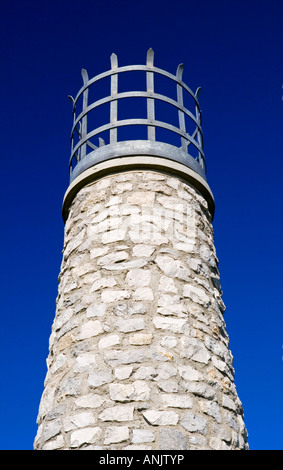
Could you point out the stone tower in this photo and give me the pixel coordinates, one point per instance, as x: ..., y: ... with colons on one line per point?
x: 139, y: 354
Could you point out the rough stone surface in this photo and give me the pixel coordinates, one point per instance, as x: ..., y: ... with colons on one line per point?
x: 139, y: 355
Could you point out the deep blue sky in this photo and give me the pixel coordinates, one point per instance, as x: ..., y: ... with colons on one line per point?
x: 233, y: 50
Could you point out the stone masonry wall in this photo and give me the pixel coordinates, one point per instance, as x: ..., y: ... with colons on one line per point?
x: 139, y: 355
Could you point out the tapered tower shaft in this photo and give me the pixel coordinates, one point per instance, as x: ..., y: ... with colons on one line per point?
x: 139, y: 354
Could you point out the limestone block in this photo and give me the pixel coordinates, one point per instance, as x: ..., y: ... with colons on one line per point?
x: 152, y: 176
x: 117, y: 413
x: 143, y: 293
x: 174, y: 400
x: 143, y: 250
x: 108, y: 341
x: 172, y: 268
x: 142, y: 435
x: 217, y: 444
x: 120, y: 188
x: 189, y: 373
x: 113, y: 236
x: 114, y: 201
x: 91, y: 400
x: 138, y: 277
x: 211, y: 408
x: 141, y: 338
x: 85, y: 436
x: 168, y: 386
x: 158, y: 353
x: 199, y: 441
x: 54, y: 444
x: 84, y: 361
x: 228, y: 403
x: 194, y: 349
x: 103, y: 282
x: 124, y: 265
x: 128, y: 176
x: 173, y: 203
x: 170, y: 439
x: 96, y: 310
x: 141, y: 198
x: 56, y: 412
x: 194, y: 423
x: 196, y: 294
x: 61, y: 319
x: 222, y: 432
x: 230, y: 419
x: 165, y: 372
x: 95, y: 252
x: 196, y: 264
x: 216, y: 347
x: 109, y: 295
x: 51, y: 429
x: 166, y: 284
x: 146, y: 372
x: 132, y: 356
x: 112, y: 258
x: 129, y: 209
x: 114, y: 434
x: 207, y: 255
x: 199, y: 389
x: 174, y: 325
x: 74, y: 243
x: 147, y: 236
x: 137, y: 391
x: 59, y: 363
x: 103, y: 184
x: 129, y: 325
x: 171, y: 305
x: 99, y: 378
x: 161, y: 418
x: 70, y: 387
x: 90, y: 328
x: 124, y: 372
x: 79, y: 420
x: 169, y: 342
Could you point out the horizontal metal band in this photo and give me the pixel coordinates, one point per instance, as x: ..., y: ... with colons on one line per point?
x: 130, y: 122
x: 137, y: 147
x: 132, y: 68
x: 136, y: 94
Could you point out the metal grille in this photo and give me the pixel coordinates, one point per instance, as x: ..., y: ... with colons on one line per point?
x: 86, y: 138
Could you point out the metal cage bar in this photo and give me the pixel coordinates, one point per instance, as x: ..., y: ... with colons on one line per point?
x: 84, y: 119
x: 114, y: 103
x: 150, y: 90
x: 80, y: 122
x: 181, y: 114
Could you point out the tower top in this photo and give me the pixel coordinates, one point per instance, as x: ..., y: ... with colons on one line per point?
x: 105, y: 143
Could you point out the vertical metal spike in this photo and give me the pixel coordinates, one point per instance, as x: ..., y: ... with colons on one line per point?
x: 150, y: 89
x: 179, y: 73
x: 150, y: 57
x: 84, y: 119
x: 85, y: 76
x: 71, y: 99
x: 181, y: 115
x: 72, y: 135
x: 114, y: 61
x: 114, y: 103
x: 197, y: 93
x: 199, y: 136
